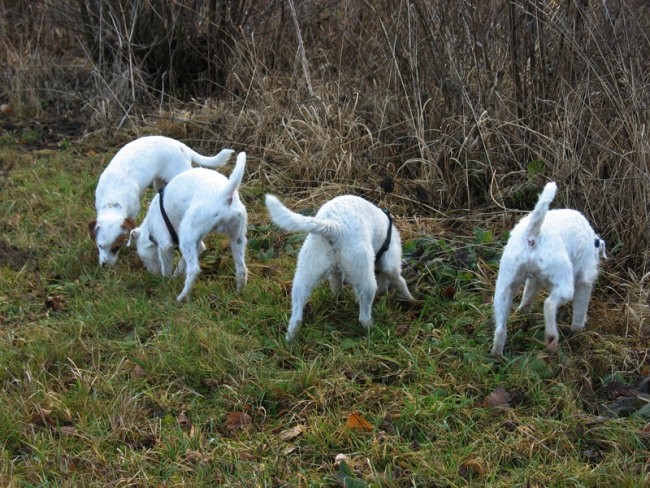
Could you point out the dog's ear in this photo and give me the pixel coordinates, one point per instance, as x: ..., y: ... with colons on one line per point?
x: 92, y: 229
x: 128, y: 224
x: 133, y: 236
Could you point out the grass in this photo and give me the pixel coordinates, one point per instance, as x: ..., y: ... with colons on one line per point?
x: 107, y: 381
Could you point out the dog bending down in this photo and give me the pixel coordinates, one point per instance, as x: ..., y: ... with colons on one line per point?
x: 555, y: 249
x: 147, y: 160
x: 194, y: 203
x: 350, y: 240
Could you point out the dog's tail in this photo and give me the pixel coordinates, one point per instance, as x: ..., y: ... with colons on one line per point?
x: 289, y: 220
x: 539, y: 212
x: 211, y: 161
x: 235, y: 178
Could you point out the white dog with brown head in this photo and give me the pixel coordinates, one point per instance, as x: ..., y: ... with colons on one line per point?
x: 147, y: 160
x: 194, y: 203
x: 556, y: 249
x: 350, y: 240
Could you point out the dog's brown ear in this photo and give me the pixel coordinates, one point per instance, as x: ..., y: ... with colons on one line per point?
x: 128, y: 224
x: 92, y: 229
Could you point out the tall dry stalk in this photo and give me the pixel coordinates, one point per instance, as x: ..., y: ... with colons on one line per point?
x: 459, y: 107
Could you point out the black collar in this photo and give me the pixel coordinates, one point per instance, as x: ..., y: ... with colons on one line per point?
x: 168, y: 223
x: 386, y: 244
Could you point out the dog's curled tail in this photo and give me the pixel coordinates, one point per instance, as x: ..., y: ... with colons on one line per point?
x: 211, y: 161
x: 235, y: 178
x: 288, y: 220
x: 537, y: 215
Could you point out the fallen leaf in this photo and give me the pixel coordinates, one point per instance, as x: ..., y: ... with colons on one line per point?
x: 402, y: 329
x: 292, y: 433
x: 138, y: 371
x: 448, y: 293
x: 184, y: 421
x: 67, y: 430
x: 499, y: 399
x: 357, y: 422
x: 238, y: 421
x: 247, y: 456
x: 289, y: 450
x: 42, y: 417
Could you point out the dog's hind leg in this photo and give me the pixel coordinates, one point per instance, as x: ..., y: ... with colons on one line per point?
x: 530, y: 291
x: 399, y: 283
x: 312, y: 267
x: 581, y: 297
x: 361, y: 276
x: 505, y: 290
x: 303, y: 284
x: 180, y: 267
x: 560, y: 295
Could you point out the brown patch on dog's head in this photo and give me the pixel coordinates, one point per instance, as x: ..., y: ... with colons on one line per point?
x: 128, y: 224
x: 119, y: 242
x: 92, y: 229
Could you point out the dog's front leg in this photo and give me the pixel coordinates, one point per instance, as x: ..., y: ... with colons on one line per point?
x: 190, y: 253
x: 581, y: 298
x: 166, y: 258
x: 364, y: 284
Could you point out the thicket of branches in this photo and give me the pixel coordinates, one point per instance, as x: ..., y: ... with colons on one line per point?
x: 457, y: 105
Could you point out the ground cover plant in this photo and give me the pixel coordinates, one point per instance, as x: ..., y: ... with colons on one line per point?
x: 451, y: 117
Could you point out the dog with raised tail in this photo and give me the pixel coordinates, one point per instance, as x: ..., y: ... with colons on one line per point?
x: 555, y: 249
x: 194, y: 203
x: 147, y: 160
x: 349, y: 240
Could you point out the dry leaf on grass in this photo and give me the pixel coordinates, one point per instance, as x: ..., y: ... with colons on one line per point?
x: 238, y: 421
x: 67, y: 430
x: 185, y: 423
x: 42, y: 417
x: 499, y: 399
x: 292, y: 433
x: 357, y: 422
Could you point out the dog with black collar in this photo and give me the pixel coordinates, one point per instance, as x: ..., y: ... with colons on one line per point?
x: 349, y: 240
x: 142, y: 162
x: 194, y: 203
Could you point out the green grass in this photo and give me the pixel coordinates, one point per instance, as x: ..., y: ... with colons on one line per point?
x: 106, y: 380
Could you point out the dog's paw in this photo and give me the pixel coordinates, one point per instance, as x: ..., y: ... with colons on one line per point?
x: 367, y: 324
x: 497, y: 352
x: 551, y: 343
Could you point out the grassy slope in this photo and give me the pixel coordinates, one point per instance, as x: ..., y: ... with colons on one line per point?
x: 107, y: 381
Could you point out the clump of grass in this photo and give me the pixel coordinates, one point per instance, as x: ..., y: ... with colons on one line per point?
x: 106, y: 379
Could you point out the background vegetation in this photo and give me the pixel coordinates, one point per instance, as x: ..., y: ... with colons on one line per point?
x: 453, y: 114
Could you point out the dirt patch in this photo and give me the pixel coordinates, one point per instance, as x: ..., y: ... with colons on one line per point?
x: 13, y: 257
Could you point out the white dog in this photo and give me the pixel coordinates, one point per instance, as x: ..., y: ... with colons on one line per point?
x: 556, y: 249
x: 350, y: 240
x: 193, y: 203
x: 147, y: 160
